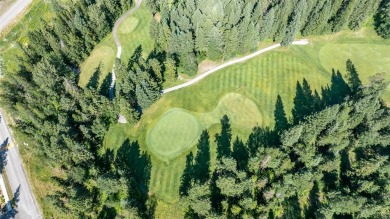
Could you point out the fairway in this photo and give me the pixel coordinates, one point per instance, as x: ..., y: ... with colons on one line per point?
x: 175, y: 132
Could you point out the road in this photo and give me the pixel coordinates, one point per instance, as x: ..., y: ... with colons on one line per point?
x: 118, y: 43
x: 27, y: 206
x: 226, y: 64
x: 12, y: 13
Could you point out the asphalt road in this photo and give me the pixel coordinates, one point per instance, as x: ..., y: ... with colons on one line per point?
x: 26, y: 208
x: 226, y: 64
x: 13, y: 12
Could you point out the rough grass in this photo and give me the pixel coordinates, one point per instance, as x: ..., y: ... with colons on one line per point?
x: 9, y: 49
x: 133, y: 32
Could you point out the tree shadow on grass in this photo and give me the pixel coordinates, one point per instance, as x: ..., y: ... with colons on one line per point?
x: 93, y: 82
x: 137, y: 166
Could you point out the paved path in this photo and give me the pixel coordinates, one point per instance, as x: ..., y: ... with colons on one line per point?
x: 12, y: 13
x: 226, y: 64
x: 27, y: 206
x: 118, y: 43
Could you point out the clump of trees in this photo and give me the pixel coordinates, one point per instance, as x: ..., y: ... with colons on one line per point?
x: 332, y: 163
x: 199, y: 29
x: 382, y: 20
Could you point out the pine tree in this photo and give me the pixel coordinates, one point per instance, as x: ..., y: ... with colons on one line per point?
x: 240, y: 154
x: 382, y: 20
x: 281, y: 122
x: 187, y: 176
x: 339, y: 89
x: 201, y: 169
x: 223, y: 139
x: 353, y: 77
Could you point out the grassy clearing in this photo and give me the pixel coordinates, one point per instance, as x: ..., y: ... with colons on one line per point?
x: 133, y: 32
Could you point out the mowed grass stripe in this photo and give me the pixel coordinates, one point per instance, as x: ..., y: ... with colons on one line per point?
x: 156, y: 177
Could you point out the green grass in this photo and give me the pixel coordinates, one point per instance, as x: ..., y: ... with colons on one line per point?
x: 9, y: 49
x: 133, y: 32
x: 175, y: 132
x: 247, y: 92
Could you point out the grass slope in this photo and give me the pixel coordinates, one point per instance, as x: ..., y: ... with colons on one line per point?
x: 133, y: 32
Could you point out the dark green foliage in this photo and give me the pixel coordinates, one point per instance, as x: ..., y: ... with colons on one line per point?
x: 240, y: 154
x: 187, y: 175
x: 93, y: 82
x: 303, y: 102
x: 201, y: 168
x: 313, y: 201
x: 292, y: 209
x: 382, y: 20
x: 224, y: 138
x: 339, y: 88
x: 353, y: 78
x: 281, y: 122
x: 105, y: 86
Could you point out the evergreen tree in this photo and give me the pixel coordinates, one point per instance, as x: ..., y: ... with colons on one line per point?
x: 201, y: 168
x: 303, y: 102
x: 382, y: 20
x: 281, y: 122
x: 187, y: 176
x: 339, y: 88
x: 240, y: 154
x: 224, y: 138
x: 353, y: 78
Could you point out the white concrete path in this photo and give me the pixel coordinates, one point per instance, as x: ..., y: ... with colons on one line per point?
x: 229, y: 63
x: 9, y: 16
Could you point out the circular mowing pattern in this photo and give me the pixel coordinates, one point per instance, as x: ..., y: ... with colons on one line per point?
x: 175, y: 132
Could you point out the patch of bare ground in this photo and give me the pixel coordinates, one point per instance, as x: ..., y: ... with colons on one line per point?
x: 157, y: 17
x: 206, y: 65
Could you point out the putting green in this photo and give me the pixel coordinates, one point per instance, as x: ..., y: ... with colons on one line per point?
x: 175, y: 132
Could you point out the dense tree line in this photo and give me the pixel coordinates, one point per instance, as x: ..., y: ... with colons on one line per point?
x: 330, y: 164
x: 67, y: 124
x: 196, y: 29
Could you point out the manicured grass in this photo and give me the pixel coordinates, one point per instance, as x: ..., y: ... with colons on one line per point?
x: 175, y: 132
x: 133, y: 32
x: 247, y: 92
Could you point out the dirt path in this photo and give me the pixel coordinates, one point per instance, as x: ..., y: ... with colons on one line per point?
x: 229, y: 63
